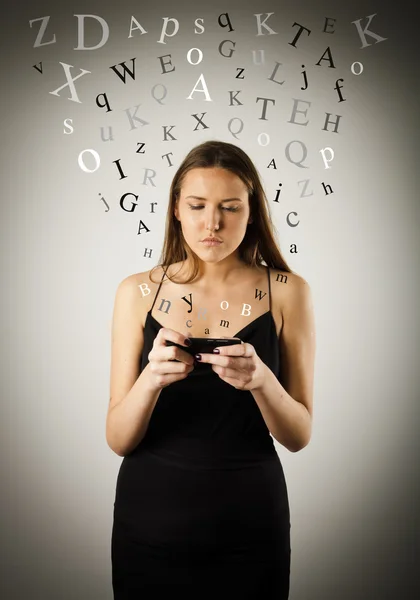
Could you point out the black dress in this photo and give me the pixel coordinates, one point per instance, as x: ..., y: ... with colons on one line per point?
x: 201, y: 504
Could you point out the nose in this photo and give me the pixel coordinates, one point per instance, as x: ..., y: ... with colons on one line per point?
x: 212, y: 219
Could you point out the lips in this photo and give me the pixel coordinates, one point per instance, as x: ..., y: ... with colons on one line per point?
x: 212, y: 239
x: 210, y: 243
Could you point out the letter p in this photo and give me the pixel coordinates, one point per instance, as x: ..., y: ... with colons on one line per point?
x: 327, y: 160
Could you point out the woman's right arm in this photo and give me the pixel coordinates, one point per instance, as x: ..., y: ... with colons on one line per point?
x: 127, y: 421
x: 134, y: 394
x: 132, y: 398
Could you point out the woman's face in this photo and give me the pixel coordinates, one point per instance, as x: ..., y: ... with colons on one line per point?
x: 203, y: 205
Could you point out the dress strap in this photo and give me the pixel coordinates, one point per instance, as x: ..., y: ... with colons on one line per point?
x: 164, y: 273
x: 269, y: 286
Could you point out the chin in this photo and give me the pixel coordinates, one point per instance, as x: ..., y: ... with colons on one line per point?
x: 211, y: 259
x: 212, y: 255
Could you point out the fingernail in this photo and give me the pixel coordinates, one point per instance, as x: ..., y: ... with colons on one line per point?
x: 198, y: 356
x: 216, y: 351
x: 188, y: 342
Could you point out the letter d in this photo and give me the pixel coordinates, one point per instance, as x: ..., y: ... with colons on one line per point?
x: 81, y: 32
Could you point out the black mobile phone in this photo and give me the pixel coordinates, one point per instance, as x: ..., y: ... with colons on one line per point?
x: 201, y: 344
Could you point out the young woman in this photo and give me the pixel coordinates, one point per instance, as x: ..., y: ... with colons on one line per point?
x: 201, y: 504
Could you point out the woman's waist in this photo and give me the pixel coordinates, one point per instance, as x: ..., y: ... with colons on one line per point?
x: 207, y: 453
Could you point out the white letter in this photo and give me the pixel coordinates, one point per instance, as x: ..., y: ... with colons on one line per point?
x: 133, y: 28
x: 80, y: 32
x: 143, y: 287
x: 326, y: 161
x: 246, y: 307
x: 198, y: 25
x: 69, y: 82
x: 163, y: 34
x: 261, y: 25
x: 203, y: 91
x: 200, y: 56
x: 82, y: 164
x: 69, y: 126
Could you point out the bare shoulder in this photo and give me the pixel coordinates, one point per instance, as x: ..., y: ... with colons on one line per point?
x: 127, y: 302
x: 287, y: 288
x: 141, y: 287
x: 145, y: 277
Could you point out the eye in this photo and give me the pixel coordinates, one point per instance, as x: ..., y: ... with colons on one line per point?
x: 198, y: 207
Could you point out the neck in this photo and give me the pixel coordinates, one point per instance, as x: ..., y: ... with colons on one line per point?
x: 220, y: 273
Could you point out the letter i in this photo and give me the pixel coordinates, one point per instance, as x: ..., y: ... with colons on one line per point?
x: 117, y: 162
x: 278, y: 193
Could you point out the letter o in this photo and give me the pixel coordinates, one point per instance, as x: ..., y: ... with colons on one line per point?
x: 267, y: 137
x: 353, y: 70
x: 82, y: 164
x: 200, y: 56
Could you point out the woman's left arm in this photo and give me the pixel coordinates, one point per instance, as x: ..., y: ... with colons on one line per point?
x: 287, y: 409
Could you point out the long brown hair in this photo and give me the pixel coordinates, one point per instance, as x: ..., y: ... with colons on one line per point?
x: 259, y: 243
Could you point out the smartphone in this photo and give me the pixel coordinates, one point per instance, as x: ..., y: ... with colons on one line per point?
x: 201, y: 344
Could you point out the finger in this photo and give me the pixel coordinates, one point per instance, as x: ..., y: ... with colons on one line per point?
x: 242, y: 349
x: 170, y: 335
x: 174, y: 353
x: 236, y: 363
x: 170, y: 368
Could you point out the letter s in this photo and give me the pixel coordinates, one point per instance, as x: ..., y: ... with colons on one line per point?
x: 69, y: 126
x: 197, y: 24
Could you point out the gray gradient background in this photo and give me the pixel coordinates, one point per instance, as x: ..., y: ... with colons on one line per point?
x: 354, y: 489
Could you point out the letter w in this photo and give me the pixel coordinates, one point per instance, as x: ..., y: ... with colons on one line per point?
x: 126, y: 70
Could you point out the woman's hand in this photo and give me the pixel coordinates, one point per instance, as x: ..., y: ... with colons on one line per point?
x: 239, y: 365
x: 163, y: 367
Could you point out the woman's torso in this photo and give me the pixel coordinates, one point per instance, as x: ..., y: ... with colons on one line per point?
x: 203, y: 420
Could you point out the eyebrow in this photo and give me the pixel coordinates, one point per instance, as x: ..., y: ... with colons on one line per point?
x: 225, y: 200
